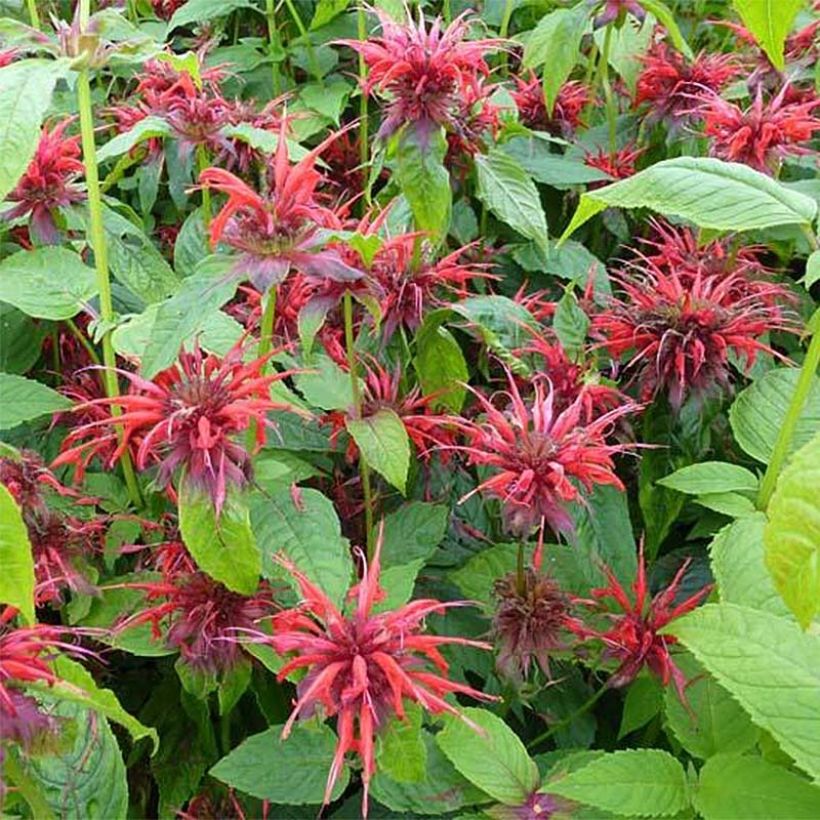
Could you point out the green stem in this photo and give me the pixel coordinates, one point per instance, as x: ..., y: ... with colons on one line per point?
x: 33, y: 14
x: 611, y: 112
x: 274, y: 46
x: 503, y: 32
x: 556, y: 727
x: 96, y: 237
x: 27, y: 786
x: 446, y: 13
x: 202, y: 162
x: 81, y: 338
x: 265, y: 346
x: 786, y: 432
x: 303, y: 32
x: 364, y: 147
x: 357, y: 408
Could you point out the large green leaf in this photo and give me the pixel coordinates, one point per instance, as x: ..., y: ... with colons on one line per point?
x: 198, y: 11
x: 536, y: 158
x: 634, y: 782
x: 47, y: 283
x: 757, y: 414
x: 509, y: 192
x: 499, y: 322
x: 770, y: 21
x: 309, y: 533
x: 413, y: 532
x: 224, y: 545
x: 493, y: 758
x: 710, y: 193
x: 384, y: 444
x: 25, y: 399
x: 292, y: 771
x: 731, y: 786
x: 147, y: 128
x: 556, y: 42
x: 25, y: 95
x: 666, y: 17
x: 792, y: 534
x: 17, y: 577
x: 768, y: 665
x: 440, y: 365
x: 710, y: 477
x: 423, y: 179
x: 402, y: 752
x: 477, y: 577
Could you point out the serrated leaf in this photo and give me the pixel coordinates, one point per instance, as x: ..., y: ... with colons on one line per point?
x: 634, y: 782
x: 476, y: 578
x: 292, y: 771
x: 25, y: 399
x: 757, y: 414
x: 413, y: 532
x: 310, y: 534
x: 732, y: 504
x: 501, y: 322
x: 47, y: 283
x: 710, y: 193
x: 509, y: 192
x: 731, y: 786
x: 440, y: 366
x: 536, y: 158
x: 402, y: 753
x: 770, y: 21
x: 710, y: 477
x: 325, y: 385
x: 145, y: 129
x: 495, y: 760
x: 17, y: 577
x: 384, y: 444
x: 570, y: 323
x: 792, y: 534
x: 398, y: 583
x: 644, y: 700
x: 223, y: 546
x: 768, y: 665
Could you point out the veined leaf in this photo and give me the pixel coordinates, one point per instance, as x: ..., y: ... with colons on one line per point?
x: 384, y: 445
x: 413, y: 532
x: 25, y: 399
x: 770, y: 21
x: 402, y: 753
x: 710, y: 477
x: 666, y: 17
x: 440, y: 365
x: 198, y: 11
x: 17, y: 577
x: 144, y: 129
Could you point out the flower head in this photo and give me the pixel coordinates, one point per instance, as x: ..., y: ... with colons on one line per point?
x: 762, y: 134
x: 633, y: 638
x: 614, y: 11
x: 364, y: 666
x: 188, y: 416
x: 681, y: 329
x: 573, y: 97
x: 49, y: 182
x: 619, y: 165
x: 422, y: 69
x: 533, y: 452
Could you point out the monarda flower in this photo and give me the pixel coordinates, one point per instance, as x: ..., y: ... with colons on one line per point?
x: 680, y: 331
x: 633, y: 638
x: 189, y: 417
x: 528, y: 623
x: 619, y: 165
x: 422, y: 70
x: 761, y: 135
x: 49, y: 183
x: 615, y: 11
x: 282, y: 230
x: 573, y: 98
x: 668, y: 82
x: 532, y: 452
x: 363, y: 667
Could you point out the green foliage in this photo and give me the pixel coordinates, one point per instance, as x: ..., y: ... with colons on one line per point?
x: 402, y: 751
x: 770, y: 22
x: 17, y: 577
x: 384, y: 444
x: 710, y: 477
x: 26, y: 399
x: 413, y: 532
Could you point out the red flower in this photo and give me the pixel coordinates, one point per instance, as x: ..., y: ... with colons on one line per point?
x: 49, y: 182
x: 619, y: 165
x: 282, y: 230
x: 681, y: 329
x: 573, y: 98
x: 633, y: 638
x: 164, y: 9
x: 616, y: 10
x: 188, y: 417
x: 424, y: 72
x: 668, y: 82
x: 361, y: 668
x: 761, y: 135
x: 476, y: 122
x: 533, y: 452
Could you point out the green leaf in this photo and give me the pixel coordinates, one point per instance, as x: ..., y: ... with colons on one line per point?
x: 628, y: 44
x: 570, y: 323
x: 812, y: 270
x: 666, y: 17
x: 423, y: 179
x: 25, y: 96
x: 398, y: 582
x: 792, y: 534
x: 500, y: 322
x: 731, y: 786
x: 493, y: 758
x: 145, y: 129
x: 17, y: 577
x: 198, y: 11
x: 21, y: 340
x: 26, y: 399
x: 292, y: 771
x: 47, y: 283
x: 536, y: 158
x: 715, y: 722
x: 325, y: 385
x: 477, y: 577
x: 770, y: 21
x: 309, y: 534
x: 326, y: 10
x: 440, y: 366
x: 87, y: 779
x: 402, y: 753
x: 710, y: 477
x: 233, y: 684
x: 507, y: 190
x: 757, y: 413
x: 223, y: 546
x: 710, y: 193
x: 768, y: 665
x: 634, y: 782
x: 413, y: 532
x: 737, y: 560
x: 384, y: 444
x: 556, y: 41
x: 732, y: 504
x: 644, y: 699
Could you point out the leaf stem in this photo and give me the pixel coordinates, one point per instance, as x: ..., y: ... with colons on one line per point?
x: 503, y: 32
x: 784, y: 436
x: 27, y: 786
x: 311, y: 52
x: 96, y: 238
x: 265, y: 345
x: 611, y: 113
x: 33, y: 14
x: 81, y: 338
x: 364, y: 469
x: 556, y: 727
x: 274, y: 46
x: 202, y: 163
